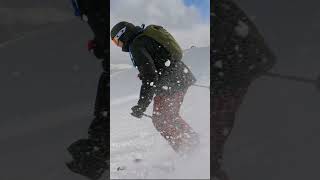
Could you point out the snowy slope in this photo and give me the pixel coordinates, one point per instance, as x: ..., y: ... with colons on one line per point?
x: 137, y: 138
x: 48, y: 86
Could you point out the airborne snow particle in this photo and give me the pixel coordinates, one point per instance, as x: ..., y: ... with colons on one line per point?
x: 105, y: 113
x: 167, y: 63
x: 252, y: 67
x: 165, y: 87
x: 242, y: 29
x: 151, y: 83
x: 95, y: 148
x: 237, y: 47
x: 187, y: 135
x: 85, y: 18
x: 185, y: 70
x: 218, y: 64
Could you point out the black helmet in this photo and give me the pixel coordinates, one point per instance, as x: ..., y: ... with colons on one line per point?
x: 125, y: 32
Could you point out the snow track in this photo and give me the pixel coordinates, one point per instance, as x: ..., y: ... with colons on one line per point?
x: 120, y: 101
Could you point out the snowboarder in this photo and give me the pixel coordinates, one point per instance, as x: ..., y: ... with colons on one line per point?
x: 91, y: 155
x: 157, y: 56
x: 239, y: 55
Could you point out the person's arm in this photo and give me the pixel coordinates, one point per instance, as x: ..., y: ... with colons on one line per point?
x: 147, y: 70
x: 96, y: 14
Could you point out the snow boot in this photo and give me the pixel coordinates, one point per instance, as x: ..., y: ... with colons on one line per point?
x: 89, y: 159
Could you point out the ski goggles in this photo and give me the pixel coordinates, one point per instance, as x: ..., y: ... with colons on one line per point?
x: 116, y: 38
x: 76, y: 8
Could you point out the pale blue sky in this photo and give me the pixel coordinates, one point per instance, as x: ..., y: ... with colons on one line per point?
x: 202, y: 5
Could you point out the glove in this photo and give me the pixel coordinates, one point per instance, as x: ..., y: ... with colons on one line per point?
x: 137, y: 111
x: 95, y: 49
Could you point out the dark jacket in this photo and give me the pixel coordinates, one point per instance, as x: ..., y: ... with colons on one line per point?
x: 239, y: 52
x: 97, y: 13
x: 159, y: 73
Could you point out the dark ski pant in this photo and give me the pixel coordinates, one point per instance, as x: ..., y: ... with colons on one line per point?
x: 166, y: 119
x: 99, y: 128
x: 224, y: 109
x: 91, y: 155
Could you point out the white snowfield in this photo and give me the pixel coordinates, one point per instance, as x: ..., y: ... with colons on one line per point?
x: 133, y: 138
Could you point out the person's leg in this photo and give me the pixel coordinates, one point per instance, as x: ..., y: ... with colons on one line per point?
x: 224, y: 109
x: 171, y: 126
x: 99, y: 128
x: 91, y: 156
x: 102, y: 100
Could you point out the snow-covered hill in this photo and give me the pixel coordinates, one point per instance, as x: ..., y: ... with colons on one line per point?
x: 137, y: 138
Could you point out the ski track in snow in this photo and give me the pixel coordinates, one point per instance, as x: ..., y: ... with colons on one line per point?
x: 120, y: 101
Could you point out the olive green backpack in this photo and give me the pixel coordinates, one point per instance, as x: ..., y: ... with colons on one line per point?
x: 163, y: 37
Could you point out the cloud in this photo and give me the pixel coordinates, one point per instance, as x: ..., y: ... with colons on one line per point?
x: 184, y: 22
x: 170, y: 13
